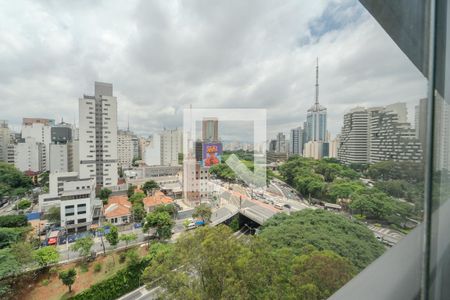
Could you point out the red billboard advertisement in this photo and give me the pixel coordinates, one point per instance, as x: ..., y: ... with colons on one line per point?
x: 211, y: 154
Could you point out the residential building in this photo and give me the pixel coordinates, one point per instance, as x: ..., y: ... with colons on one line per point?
x: 59, y: 158
x: 118, y: 210
x: 61, y: 133
x: 143, y: 144
x: 316, y: 119
x: 153, y: 151
x: 125, y: 149
x: 98, y: 136
x: 158, y: 198
x: 273, y: 145
x: 40, y: 131
x: 195, y: 181
x: 74, y: 196
x: 316, y: 149
x: 391, y: 138
x: 210, y: 130
x: 5, y: 140
x: 73, y: 156
x: 355, y: 137
x: 296, y: 141
x: 334, y: 147
x: 135, y: 146
x: 30, y: 155
x: 171, y: 146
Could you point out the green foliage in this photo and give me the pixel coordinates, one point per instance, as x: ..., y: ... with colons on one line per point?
x: 12, y: 181
x: 23, y: 252
x: 83, y: 246
x: 24, y: 204
x: 150, y: 186
x: 138, y: 212
x: 202, y: 211
x: 13, y: 221
x: 104, y: 194
x: 112, y: 236
x: 130, y: 190
x: 241, y: 154
x: 53, y: 214
x: 8, y: 263
x: 46, y: 255
x: 343, y: 189
x: 229, y: 268
x: 161, y: 221
x: 137, y: 198
x: 388, y: 170
x: 45, y: 282
x: 325, y: 231
x: 168, y: 208
x: 234, y: 224
x: 97, y: 267
x: 133, y: 257
x: 223, y: 172
x: 10, y: 235
x: 124, y: 281
x: 127, y: 238
x: 68, y: 277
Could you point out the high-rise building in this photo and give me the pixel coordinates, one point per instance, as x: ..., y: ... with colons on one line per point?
x: 125, y: 149
x: 171, y: 146
x: 377, y: 134
x: 316, y: 149
x: 59, y: 158
x: 30, y: 155
x: 296, y: 141
x: 281, y: 143
x: 273, y: 145
x: 316, y: 119
x: 5, y: 140
x: 392, y: 139
x: 334, y: 147
x: 98, y: 136
x: 355, y: 137
x: 143, y: 143
x: 210, y: 130
x: 40, y: 131
x: 153, y: 151
x: 61, y: 133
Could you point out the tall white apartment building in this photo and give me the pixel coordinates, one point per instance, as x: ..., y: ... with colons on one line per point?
x: 41, y: 133
x: 59, y: 158
x: 5, y: 140
x: 30, y: 155
x: 98, y: 136
x: 281, y: 143
x: 74, y: 196
x: 125, y: 149
x: 171, y: 146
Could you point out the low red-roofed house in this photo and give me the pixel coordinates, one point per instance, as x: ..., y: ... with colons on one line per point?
x: 118, y: 210
x: 158, y: 198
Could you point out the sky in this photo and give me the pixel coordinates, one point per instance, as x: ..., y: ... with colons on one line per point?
x: 163, y: 56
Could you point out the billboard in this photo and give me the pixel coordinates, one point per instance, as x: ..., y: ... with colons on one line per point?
x: 211, y: 154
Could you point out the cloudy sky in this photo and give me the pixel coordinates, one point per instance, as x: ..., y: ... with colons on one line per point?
x: 162, y: 56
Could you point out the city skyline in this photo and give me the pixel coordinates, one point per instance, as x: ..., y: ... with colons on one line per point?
x: 174, y: 75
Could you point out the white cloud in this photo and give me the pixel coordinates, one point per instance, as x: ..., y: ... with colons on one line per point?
x: 163, y: 56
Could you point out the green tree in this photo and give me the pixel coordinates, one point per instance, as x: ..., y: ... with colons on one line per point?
x: 8, y: 263
x: 68, y: 277
x: 373, y: 204
x: 104, y: 195
x: 24, y: 204
x: 162, y: 222
x: 202, y: 211
x: 23, y: 252
x: 83, y: 246
x: 324, y: 269
x: 127, y: 238
x: 12, y: 181
x: 150, y: 186
x: 137, y: 198
x: 46, y: 255
x: 343, y: 189
x: 53, y: 214
x: 130, y: 190
x: 325, y: 231
x: 138, y: 212
x: 113, y: 235
x: 13, y: 221
x: 169, y: 208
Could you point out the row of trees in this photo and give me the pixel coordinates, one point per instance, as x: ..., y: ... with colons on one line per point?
x: 211, y: 263
x: 328, y: 180
x: 13, y: 183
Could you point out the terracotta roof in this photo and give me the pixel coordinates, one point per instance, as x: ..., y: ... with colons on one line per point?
x: 117, y: 206
x: 157, y: 199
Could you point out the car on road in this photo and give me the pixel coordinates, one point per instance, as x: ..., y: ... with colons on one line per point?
x: 287, y: 206
x: 191, y: 226
x: 278, y: 206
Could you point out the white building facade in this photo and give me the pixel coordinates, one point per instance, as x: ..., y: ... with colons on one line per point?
x: 98, y: 136
x: 171, y: 146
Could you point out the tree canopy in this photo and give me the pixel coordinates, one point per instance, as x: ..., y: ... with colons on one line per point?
x: 202, y: 211
x: 325, y: 231
x: 46, y: 255
x: 68, y: 277
x: 150, y: 186
x: 226, y: 267
x: 12, y: 181
x: 161, y: 221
